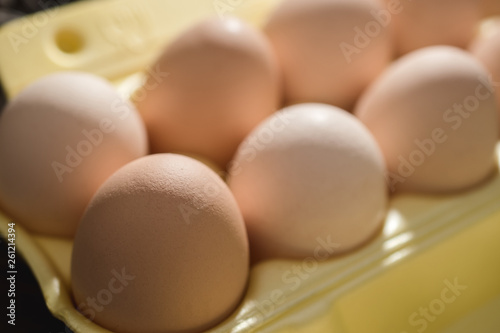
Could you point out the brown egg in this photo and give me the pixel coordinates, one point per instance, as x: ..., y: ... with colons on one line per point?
x: 309, y: 175
x: 329, y: 51
x: 491, y: 7
x: 433, y: 113
x: 162, y: 247
x: 433, y: 22
x: 486, y: 47
x: 222, y: 81
x: 60, y: 138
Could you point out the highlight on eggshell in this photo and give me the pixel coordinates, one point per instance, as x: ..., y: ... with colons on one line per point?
x: 434, y: 115
x: 223, y: 80
x: 486, y: 48
x: 171, y: 229
x: 60, y: 138
x: 162, y: 244
x: 423, y: 23
x: 309, y: 171
x: 329, y: 51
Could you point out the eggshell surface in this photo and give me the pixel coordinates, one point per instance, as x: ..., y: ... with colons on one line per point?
x: 310, y: 174
x: 486, y: 47
x: 433, y: 113
x: 329, y: 50
x: 221, y: 79
x: 491, y: 7
x: 171, y: 225
x: 425, y: 23
x: 60, y: 138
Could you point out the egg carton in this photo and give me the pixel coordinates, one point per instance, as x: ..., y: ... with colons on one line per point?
x: 434, y: 267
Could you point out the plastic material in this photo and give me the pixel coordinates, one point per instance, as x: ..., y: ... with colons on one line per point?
x: 435, y: 267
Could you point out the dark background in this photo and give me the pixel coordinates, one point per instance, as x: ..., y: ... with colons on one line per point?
x: 31, y: 313
x: 12, y: 9
x: 32, y: 316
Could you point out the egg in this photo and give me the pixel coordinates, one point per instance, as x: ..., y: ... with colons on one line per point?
x: 433, y: 113
x: 60, y: 138
x: 433, y: 22
x: 209, y: 88
x: 329, y: 50
x: 491, y: 7
x: 486, y: 47
x: 310, y: 174
x: 162, y: 247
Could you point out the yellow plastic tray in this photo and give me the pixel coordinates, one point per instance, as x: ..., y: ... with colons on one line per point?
x: 428, y: 244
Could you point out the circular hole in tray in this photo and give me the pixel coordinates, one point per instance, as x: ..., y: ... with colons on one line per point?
x: 69, y: 41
